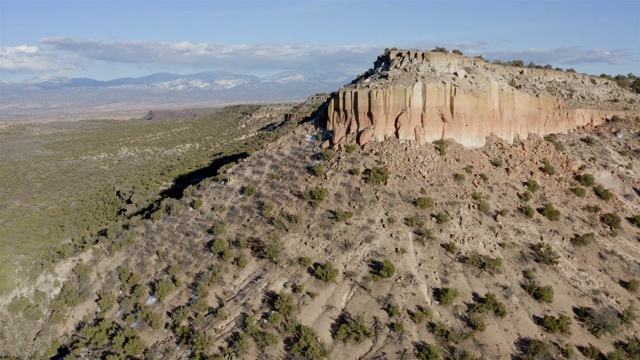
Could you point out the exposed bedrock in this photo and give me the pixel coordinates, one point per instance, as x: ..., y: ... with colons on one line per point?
x: 432, y: 108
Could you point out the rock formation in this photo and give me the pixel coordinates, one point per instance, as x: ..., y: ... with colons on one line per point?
x: 425, y: 96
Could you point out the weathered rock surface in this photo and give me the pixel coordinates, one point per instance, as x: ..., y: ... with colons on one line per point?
x: 425, y: 96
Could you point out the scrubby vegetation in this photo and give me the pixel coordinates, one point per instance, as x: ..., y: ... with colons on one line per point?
x: 270, y: 246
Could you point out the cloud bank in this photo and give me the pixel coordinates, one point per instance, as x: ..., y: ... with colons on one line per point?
x: 65, y: 53
x: 25, y: 58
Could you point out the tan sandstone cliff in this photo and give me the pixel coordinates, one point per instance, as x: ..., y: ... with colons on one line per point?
x: 425, y: 96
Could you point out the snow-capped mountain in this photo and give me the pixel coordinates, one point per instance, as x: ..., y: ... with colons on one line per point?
x: 20, y: 99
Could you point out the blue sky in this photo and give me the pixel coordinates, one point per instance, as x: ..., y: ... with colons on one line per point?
x: 106, y: 40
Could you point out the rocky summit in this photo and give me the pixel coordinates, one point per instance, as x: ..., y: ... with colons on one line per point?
x: 426, y: 96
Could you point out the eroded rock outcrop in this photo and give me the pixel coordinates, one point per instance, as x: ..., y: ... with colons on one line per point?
x: 425, y: 96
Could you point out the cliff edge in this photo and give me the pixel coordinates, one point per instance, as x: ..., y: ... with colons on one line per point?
x: 426, y: 96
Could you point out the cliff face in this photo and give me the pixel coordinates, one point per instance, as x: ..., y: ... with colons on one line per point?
x: 426, y: 96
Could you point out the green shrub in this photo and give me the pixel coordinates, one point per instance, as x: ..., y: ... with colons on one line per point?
x: 397, y: 327
x: 591, y: 352
x: 477, y: 323
x: 304, y: 343
x: 393, y: 310
x: 526, y: 196
x: 32, y: 313
x: 545, y: 254
x: 445, y: 295
x: 550, y: 212
x: 421, y: 314
x: 354, y: 171
x: 202, y: 290
x: 548, y: 168
x: 485, y: 207
x: 163, y: 288
x: 444, y: 332
x: 458, y: 177
x: 197, y: 204
x: 227, y: 254
x: 242, y: 261
x: 326, y: 272
x: 218, y: 246
x: 484, y: 177
x: 483, y: 262
x: 586, y: 179
x: 635, y: 220
x: 217, y: 229
x: 83, y: 272
x: 442, y: 217
x: 540, y: 293
x: 274, y: 249
x: 249, y: 190
x: 628, y: 316
x: 351, y: 148
x: 153, y: 319
x: 477, y: 196
x: 423, y: 202
x: 612, y: 220
x: 201, y: 305
x: 589, y: 140
x: 265, y: 339
x: 328, y: 154
x: 429, y: 352
x: 315, y: 196
x: 283, y: 303
x: 450, y: 247
x: 305, y: 261
x: 582, y: 240
x: 497, y: 162
x: 386, y: 270
x: 539, y: 350
x: 441, y: 147
x: 342, y: 215
x: 440, y: 49
x: 527, y: 211
x: 69, y: 294
x: 18, y: 304
x: 579, y: 191
x: 377, y: 175
x: 632, y: 285
x: 350, y: 329
x: 106, y: 300
x: 555, y: 325
x: 602, y: 193
x: 266, y: 208
x: 468, y: 169
x: 317, y: 169
x: 591, y: 208
x: 292, y: 218
x: 490, y: 303
x: 532, y: 185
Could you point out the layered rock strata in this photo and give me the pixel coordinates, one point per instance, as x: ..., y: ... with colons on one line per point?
x: 425, y: 96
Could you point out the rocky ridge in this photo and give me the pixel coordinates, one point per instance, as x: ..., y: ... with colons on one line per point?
x: 426, y: 96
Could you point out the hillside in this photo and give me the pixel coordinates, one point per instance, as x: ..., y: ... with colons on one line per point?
x: 524, y: 248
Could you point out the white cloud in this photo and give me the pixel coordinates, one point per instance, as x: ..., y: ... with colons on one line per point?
x: 25, y: 58
x: 571, y: 56
x: 219, y: 55
x: 55, y: 54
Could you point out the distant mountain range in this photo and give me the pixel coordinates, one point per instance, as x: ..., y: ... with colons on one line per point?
x: 60, y: 96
